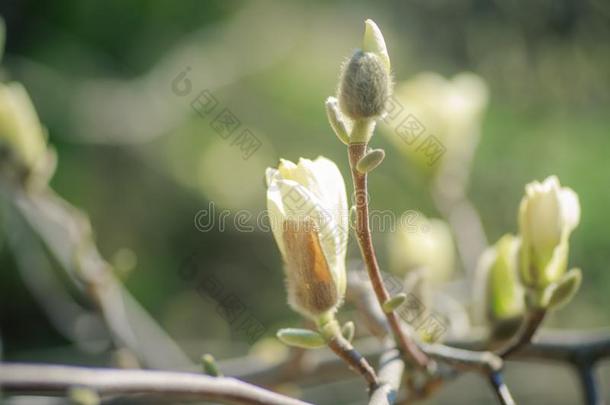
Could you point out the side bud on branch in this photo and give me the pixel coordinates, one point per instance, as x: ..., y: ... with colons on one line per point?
x: 498, y: 283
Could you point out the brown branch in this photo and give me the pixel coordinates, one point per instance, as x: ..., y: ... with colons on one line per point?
x: 66, y: 232
x: 363, y: 233
x: 465, y: 360
x: 391, y: 368
x: 533, y: 320
x: 590, y: 384
x: 344, y: 349
x: 568, y: 346
x: 57, y: 380
x: 484, y: 362
x: 500, y: 389
x: 322, y: 365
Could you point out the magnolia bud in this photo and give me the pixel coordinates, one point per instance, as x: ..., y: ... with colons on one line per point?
x: 348, y: 330
x: 83, y: 396
x: 502, y: 295
x: 336, y: 121
x: 365, y: 83
x: 20, y: 129
x: 547, y: 215
x: 364, y: 87
x: 210, y: 367
x: 422, y: 243
x: 370, y: 161
x: 393, y: 303
x: 301, y: 338
x: 307, y: 206
x: 560, y: 293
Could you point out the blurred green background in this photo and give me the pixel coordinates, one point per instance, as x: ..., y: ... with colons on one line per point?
x: 134, y: 155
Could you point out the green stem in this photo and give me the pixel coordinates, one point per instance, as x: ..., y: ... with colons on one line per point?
x: 331, y: 331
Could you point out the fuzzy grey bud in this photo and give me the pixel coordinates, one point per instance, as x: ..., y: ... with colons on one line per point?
x: 364, y: 87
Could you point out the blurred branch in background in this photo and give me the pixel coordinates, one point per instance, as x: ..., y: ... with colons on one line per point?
x: 78, y: 324
x: 67, y: 234
x: 41, y: 378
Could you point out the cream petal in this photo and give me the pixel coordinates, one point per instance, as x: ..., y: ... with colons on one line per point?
x: 275, y: 210
x: 299, y: 203
x: 331, y: 191
x: 570, y: 208
x: 547, y: 216
x: 270, y: 174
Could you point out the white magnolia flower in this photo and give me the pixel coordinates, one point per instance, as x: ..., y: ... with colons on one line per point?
x: 20, y: 129
x: 308, y: 212
x: 499, y: 291
x: 547, y: 216
x: 451, y: 110
x: 423, y: 244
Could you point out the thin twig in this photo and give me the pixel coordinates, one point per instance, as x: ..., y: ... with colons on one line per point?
x: 391, y: 368
x: 344, y: 349
x: 322, y: 365
x: 484, y: 362
x: 533, y: 320
x: 568, y: 346
x: 56, y: 380
x: 465, y: 360
x: 588, y: 381
x: 363, y: 232
x: 66, y: 232
x: 500, y: 389
x: 582, y: 350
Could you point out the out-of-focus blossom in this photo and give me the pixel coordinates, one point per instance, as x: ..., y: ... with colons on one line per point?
x: 502, y: 296
x: 422, y: 243
x: 547, y: 216
x: 451, y: 110
x: 20, y: 130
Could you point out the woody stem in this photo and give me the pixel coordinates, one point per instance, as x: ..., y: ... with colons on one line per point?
x: 363, y: 232
x: 533, y: 320
x: 343, y: 348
